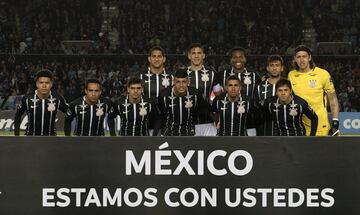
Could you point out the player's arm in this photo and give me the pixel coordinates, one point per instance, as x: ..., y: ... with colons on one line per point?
x: 156, y: 118
x: 217, y: 88
x: 21, y: 108
x: 334, y: 107
x: 113, y: 112
x: 312, y: 116
x: 64, y: 106
x: 215, y: 111
x: 69, y: 116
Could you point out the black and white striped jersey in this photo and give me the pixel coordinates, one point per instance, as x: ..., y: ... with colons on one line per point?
x: 232, y: 116
x: 155, y: 83
x: 249, y: 80
x: 202, y: 80
x: 41, y: 114
x: 265, y: 90
x: 288, y: 117
x: 134, y: 118
x: 179, y: 111
x: 89, y: 118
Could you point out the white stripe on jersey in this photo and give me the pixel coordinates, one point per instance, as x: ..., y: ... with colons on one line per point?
x: 180, y: 110
x: 82, y: 118
x: 91, y: 118
x: 34, y: 120
x: 134, y: 122
x: 42, y: 116
x: 285, y: 120
x: 232, y: 119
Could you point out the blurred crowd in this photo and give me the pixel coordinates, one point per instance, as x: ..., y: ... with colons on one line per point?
x: 262, y: 26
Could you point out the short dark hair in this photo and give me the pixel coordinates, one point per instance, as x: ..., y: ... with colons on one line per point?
x: 283, y: 82
x: 133, y: 80
x: 232, y: 77
x: 275, y: 57
x: 156, y: 48
x: 181, y: 73
x: 92, y: 81
x: 44, y: 73
x: 196, y: 45
x: 238, y: 48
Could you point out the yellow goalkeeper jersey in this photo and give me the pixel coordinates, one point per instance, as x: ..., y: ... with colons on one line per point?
x: 312, y: 86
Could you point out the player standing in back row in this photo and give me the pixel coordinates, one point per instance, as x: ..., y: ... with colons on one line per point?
x: 155, y: 78
x: 201, y: 78
x: 315, y: 86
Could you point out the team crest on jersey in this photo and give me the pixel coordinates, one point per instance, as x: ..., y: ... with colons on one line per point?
x: 188, y: 103
x: 241, y: 107
x: 247, y: 80
x: 205, y: 76
x: 312, y: 83
x: 293, y: 110
x: 51, y: 107
x: 143, y: 109
x: 165, y: 81
x: 99, y: 111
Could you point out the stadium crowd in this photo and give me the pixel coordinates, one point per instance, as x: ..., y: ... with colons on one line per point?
x: 264, y: 27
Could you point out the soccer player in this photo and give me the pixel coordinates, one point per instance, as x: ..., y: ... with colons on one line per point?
x: 41, y: 107
x: 315, y: 85
x: 155, y: 79
x: 266, y: 89
x: 287, y: 110
x: 231, y: 109
x: 248, y: 80
x: 202, y: 78
x: 134, y: 111
x: 89, y: 111
x: 179, y: 105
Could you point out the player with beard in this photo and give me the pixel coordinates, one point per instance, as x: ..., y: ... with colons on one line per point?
x: 315, y: 86
x: 155, y: 78
x: 266, y: 89
x: 201, y: 78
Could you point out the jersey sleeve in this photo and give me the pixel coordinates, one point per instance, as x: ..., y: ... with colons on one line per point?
x: 328, y: 83
x: 309, y: 112
x: 63, y: 106
x: 69, y: 116
x: 20, y: 110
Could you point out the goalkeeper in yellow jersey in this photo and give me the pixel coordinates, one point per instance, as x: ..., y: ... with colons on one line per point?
x: 315, y: 86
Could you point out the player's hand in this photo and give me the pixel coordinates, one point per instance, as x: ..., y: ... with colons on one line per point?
x: 334, y: 130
